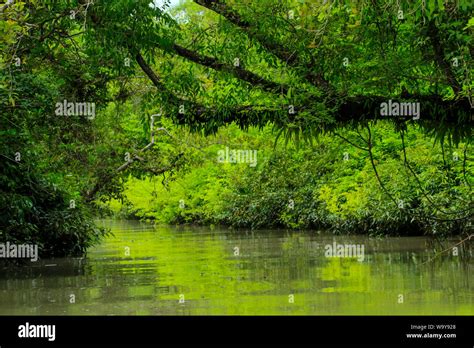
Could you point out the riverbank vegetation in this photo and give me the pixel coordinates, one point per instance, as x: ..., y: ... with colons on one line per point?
x: 297, y: 85
x: 328, y: 184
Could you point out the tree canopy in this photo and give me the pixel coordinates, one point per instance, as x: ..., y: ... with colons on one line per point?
x: 305, y: 68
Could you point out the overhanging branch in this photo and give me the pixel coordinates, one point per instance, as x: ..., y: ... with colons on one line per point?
x: 291, y: 58
x: 238, y: 71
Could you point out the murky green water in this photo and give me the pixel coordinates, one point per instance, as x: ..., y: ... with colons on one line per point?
x: 147, y: 271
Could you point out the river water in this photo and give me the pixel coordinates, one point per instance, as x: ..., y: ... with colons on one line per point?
x: 142, y: 270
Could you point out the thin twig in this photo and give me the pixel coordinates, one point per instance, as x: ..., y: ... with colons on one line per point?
x: 450, y: 248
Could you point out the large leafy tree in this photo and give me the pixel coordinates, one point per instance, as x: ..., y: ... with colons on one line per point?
x: 305, y: 66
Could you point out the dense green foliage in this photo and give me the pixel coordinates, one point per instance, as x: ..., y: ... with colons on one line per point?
x: 310, y: 73
x: 34, y: 211
x: 328, y: 184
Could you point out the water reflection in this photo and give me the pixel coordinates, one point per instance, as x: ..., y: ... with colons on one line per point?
x: 143, y: 270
